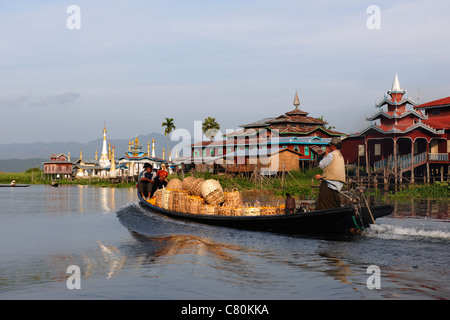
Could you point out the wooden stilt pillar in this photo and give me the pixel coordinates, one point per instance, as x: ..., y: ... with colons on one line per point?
x: 395, y: 162
x: 428, y: 164
x: 367, y: 156
x: 412, y: 162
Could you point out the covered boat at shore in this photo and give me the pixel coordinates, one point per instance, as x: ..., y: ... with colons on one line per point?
x: 351, y: 219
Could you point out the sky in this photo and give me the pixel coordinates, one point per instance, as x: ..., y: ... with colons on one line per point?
x: 131, y: 64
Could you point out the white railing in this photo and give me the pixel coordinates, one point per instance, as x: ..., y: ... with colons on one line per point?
x: 403, y: 163
x: 438, y: 156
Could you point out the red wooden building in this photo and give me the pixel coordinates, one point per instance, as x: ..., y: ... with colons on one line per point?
x: 306, y: 137
x: 58, y: 164
x: 403, y: 137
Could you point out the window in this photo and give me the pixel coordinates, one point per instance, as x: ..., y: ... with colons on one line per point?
x: 361, y: 150
x: 377, y: 149
x: 306, y: 151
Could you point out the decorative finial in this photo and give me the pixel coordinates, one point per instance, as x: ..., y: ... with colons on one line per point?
x: 296, y: 100
x: 396, y: 85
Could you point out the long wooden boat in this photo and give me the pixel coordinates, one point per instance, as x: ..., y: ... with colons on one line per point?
x: 15, y: 185
x: 343, y: 220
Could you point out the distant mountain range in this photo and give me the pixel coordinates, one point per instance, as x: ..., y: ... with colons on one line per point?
x: 18, y: 157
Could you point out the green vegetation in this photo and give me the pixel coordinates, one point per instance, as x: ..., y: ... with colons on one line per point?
x: 169, y: 127
x: 437, y: 190
x: 297, y: 183
x: 36, y: 176
x: 210, y: 127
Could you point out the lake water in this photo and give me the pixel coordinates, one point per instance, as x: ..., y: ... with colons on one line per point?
x: 124, y: 253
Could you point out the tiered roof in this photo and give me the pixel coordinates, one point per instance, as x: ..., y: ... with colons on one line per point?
x: 396, y: 111
x: 295, y: 122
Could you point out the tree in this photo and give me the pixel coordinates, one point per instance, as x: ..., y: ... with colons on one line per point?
x: 210, y: 127
x: 169, y: 128
x: 326, y: 122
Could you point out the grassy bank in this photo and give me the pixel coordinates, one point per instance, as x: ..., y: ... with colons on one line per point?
x: 296, y: 183
x: 34, y: 176
x: 437, y: 190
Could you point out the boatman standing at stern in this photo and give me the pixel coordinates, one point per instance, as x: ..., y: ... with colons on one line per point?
x: 333, y: 177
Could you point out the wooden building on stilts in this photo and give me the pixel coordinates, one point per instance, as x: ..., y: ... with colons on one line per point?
x: 404, y: 141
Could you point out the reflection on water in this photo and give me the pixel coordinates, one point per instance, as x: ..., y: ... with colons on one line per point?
x: 83, y: 198
x: 134, y: 249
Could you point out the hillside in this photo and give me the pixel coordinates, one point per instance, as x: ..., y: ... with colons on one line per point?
x: 18, y: 157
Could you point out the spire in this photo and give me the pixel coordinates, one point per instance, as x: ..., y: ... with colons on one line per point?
x: 104, y: 158
x: 396, y: 92
x: 96, y: 156
x: 396, y: 84
x: 153, y: 148
x: 296, y: 100
x: 148, y: 148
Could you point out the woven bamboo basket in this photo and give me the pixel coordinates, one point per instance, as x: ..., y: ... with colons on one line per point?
x: 194, y: 204
x: 179, y: 200
x: 187, y: 182
x: 268, y: 210
x: 165, y: 198
x: 196, y: 187
x: 226, y: 210
x: 211, y: 209
x: 237, y: 211
x: 233, y: 198
x: 250, y: 210
x: 280, y: 209
x: 158, y: 197
x: 175, y: 184
x: 212, y: 192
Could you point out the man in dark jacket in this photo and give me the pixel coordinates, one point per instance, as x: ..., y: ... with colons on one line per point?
x: 146, y: 181
x: 289, y: 204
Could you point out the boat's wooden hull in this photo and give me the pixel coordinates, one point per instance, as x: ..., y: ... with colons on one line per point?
x: 14, y: 186
x: 342, y: 220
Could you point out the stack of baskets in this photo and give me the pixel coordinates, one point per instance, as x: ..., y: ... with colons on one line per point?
x: 200, y: 196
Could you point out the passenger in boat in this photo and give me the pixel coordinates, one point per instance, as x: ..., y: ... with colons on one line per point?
x: 289, y: 205
x: 146, y: 181
x: 160, y: 181
x: 13, y: 183
x: 333, y: 177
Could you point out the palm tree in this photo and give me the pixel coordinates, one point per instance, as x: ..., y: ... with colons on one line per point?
x: 210, y: 127
x: 169, y: 128
x: 326, y: 122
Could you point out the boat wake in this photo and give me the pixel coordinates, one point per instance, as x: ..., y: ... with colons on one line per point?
x: 410, y: 233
